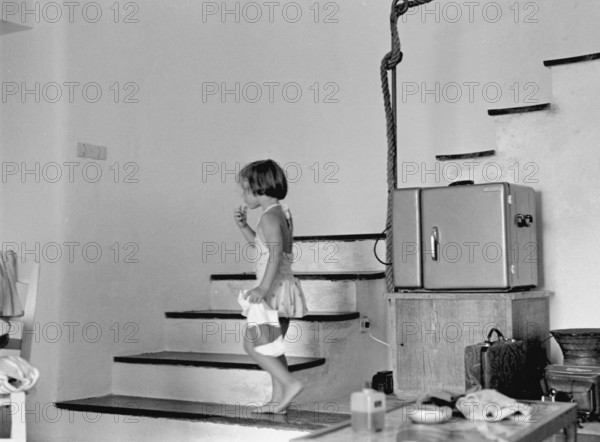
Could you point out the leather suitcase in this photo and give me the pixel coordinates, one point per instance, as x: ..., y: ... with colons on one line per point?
x: 499, y: 365
x: 580, y: 384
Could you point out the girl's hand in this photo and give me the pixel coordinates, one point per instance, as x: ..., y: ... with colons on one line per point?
x: 256, y: 295
x: 239, y: 215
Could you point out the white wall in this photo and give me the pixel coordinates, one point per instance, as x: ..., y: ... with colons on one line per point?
x: 171, y: 136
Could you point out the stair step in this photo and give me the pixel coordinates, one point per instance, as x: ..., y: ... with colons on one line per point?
x: 330, y: 276
x: 518, y: 109
x: 571, y: 60
x: 298, y: 418
x: 324, y: 291
x: 214, y: 360
x: 338, y: 252
x: 232, y: 379
x: 235, y: 314
x: 317, y: 334
x: 341, y: 238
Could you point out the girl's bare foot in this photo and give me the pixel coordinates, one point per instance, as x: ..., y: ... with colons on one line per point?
x: 290, y: 392
x: 268, y: 408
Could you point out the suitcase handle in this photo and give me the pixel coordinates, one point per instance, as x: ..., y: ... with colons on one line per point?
x: 434, y: 243
x: 500, y: 335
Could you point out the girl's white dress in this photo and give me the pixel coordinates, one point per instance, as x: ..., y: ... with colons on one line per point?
x: 286, y: 295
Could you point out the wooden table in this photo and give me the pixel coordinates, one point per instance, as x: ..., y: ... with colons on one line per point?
x: 547, y: 419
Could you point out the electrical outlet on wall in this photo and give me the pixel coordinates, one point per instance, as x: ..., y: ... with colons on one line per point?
x: 365, y: 324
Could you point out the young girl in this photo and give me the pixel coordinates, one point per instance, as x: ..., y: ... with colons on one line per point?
x: 264, y: 184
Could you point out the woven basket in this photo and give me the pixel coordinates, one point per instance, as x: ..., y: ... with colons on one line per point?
x: 579, y: 346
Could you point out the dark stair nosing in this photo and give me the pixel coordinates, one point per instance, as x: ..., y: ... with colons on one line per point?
x: 213, y: 360
x: 341, y: 238
x: 298, y: 418
x: 518, y: 109
x: 569, y: 60
x: 465, y: 156
x: 332, y: 276
x: 235, y: 314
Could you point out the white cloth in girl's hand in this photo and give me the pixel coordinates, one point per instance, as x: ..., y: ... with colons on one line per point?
x: 261, y: 313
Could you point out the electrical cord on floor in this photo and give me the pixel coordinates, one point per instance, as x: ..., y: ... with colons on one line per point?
x: 378, y: 340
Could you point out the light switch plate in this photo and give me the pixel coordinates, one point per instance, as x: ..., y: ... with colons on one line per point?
x: 87, y: 150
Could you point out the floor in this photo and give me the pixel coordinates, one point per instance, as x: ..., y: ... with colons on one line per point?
x: 589, y: 433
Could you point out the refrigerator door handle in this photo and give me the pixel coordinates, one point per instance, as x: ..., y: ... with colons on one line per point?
x: 434, y: 243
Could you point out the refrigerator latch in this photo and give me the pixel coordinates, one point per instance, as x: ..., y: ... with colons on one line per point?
x: 509, y: 199
x: 513, y: 269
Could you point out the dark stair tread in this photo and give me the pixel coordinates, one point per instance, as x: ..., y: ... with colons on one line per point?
x: 569, y: 60
x: 332, y: 276
x: 214, y: 360
x: 341, y: 238
x: 518, y: 109
x: 300, y: 418
x: 235, y: 314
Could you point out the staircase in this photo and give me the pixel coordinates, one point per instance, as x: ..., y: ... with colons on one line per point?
x: 204, y: 376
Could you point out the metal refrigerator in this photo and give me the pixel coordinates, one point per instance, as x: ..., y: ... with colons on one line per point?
x: 465, y: 237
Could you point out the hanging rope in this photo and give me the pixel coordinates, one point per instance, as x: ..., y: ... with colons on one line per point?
x: 390, y: 61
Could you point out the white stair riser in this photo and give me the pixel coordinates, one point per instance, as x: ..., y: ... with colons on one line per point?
x: 340, y: 256
x: 230, y: 386
x: 206, y: 384
x: 227, y: 336
x: 575, y: 88
x: 321, y: 294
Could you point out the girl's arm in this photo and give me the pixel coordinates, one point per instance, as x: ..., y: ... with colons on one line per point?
x: 249, y: 234
x: 239, y: 215
x: 274, y: 241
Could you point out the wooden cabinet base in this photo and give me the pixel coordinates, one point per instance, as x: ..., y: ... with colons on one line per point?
x: 429, y: 332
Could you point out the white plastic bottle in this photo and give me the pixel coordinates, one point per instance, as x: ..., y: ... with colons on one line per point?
x: 368, y: 410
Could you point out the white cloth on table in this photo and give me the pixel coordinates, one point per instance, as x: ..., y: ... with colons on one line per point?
x: 491, y: 406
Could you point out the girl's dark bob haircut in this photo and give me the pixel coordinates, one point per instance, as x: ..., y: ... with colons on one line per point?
x: 265, y: 177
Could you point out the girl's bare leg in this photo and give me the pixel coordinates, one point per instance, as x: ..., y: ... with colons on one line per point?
x: 277, y: 394
x: 285, y: 386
